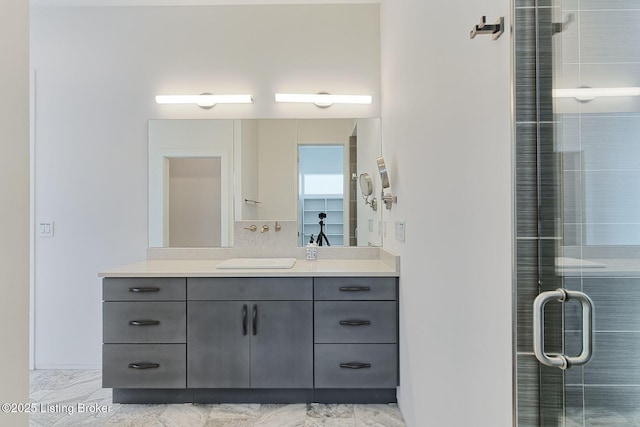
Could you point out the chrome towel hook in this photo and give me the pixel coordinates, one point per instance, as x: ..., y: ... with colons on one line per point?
x: 495, y: 30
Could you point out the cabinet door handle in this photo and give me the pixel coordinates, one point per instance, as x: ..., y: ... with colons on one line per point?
x: 355, y: 322
x: 355, y: 365
x: 255, y: 319
x: 244, y: 319
x: 144, y: 322
x: 355, y: 289
x: 144, y: 365
x: 145, y: 289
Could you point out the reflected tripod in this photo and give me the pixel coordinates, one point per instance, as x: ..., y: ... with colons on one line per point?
x: 321, y: 235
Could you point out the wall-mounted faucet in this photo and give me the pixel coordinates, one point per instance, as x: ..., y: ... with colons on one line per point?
x: 251, y: 228
x: 278, y: 227
x: 264, y: 228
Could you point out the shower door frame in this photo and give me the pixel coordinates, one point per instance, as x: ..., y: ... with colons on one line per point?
x: 541, y: 233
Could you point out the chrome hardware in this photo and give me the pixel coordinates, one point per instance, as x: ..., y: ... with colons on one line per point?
x: 366, y: 187
x: 563, y: 361
x: 255, y: 202
x: 278, y: 227
x: 251, y: 228
x: 389, y: 200
x: 264, y: 228
x: 495, y: 30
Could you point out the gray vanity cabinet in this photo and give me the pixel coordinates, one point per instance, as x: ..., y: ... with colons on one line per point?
x: 144, y: 333
x: 251, y: 339
x: 263, y: 341
x: 356, y: 333
x: 218, y: 344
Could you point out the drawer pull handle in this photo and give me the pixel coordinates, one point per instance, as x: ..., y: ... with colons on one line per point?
x: 354, y: 365
x: 355, y: 289
x: 244, y: 319
x: 144, y: 322
x: 148, y: 289
x: 144, y: 365
x: 355, y: 322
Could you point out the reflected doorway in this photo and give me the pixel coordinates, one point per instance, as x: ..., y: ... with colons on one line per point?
x: 195, y: 196
x: 321, y: 188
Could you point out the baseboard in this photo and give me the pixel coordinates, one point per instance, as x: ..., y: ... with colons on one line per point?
x: 155, y: 396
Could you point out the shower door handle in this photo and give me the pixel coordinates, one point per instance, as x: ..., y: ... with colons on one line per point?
x: 563, y: 361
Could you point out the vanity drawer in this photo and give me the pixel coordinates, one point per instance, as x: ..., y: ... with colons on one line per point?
x: 355, y: 288
x: 356, y: 365
x: 144, y: 365
x: 249, y: 288
x: 144, y: 322
x: 144, y: 289
x: 355, y: 322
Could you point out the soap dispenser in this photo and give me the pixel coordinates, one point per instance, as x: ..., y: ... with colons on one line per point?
x: 312, y: 250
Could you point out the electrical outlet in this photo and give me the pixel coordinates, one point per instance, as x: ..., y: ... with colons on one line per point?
x: 400, y: 231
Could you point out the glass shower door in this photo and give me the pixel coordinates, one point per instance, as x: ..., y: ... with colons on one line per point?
x: 589, y: 214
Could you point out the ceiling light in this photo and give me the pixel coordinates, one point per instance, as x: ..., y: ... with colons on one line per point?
x: 323, y: 100
x: 585, y: 94
x: 205, y: 100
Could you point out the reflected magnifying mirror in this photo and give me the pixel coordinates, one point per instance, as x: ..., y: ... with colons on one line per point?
x: 366, y: 187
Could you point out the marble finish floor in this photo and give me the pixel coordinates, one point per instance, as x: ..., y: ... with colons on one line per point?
x: 76, y: 398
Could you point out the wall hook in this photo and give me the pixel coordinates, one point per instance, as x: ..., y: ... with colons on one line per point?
x: 495, y: 30
x: 559, y: 27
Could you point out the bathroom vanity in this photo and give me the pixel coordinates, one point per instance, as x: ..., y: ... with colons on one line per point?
x: 185, y: 331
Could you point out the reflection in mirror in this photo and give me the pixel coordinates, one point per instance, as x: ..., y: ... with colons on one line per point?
x: 194, y: 202
x: 366, y: 187
x: 321, y: 189
x: 190, y: 183
x: 258, y: 177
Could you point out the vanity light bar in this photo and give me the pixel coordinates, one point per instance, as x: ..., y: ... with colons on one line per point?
x: 589, y: 93
x: 204, y: 100
x: 322, y: 99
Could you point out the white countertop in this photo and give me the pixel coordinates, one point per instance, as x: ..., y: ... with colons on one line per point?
x: 207, y: 268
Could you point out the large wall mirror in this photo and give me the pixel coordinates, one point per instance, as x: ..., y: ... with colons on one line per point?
x: 206, y: 174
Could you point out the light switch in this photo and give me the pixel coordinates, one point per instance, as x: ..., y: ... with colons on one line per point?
x: 400, y: 231
x: 45, y: 229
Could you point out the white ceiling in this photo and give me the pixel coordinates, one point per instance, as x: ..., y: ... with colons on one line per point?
x: 98, y: 3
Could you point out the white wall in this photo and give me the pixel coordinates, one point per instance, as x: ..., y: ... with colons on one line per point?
x: 98, y: 70
x: 446, y: 142
x: 14, y: 209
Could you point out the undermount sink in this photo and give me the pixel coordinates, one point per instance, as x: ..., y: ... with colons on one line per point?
x: 257, y: 263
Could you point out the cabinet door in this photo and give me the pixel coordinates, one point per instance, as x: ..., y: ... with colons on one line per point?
x: 282, y: 344
x: 218, y: 344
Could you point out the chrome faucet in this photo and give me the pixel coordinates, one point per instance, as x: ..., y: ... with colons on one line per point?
x: 251, y: 228
x: 264, y: 228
